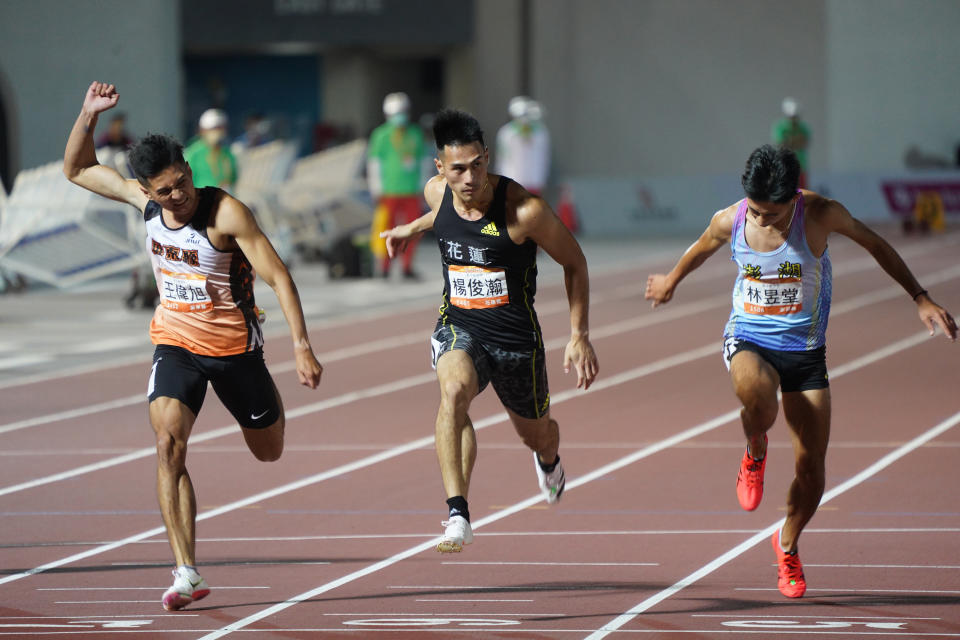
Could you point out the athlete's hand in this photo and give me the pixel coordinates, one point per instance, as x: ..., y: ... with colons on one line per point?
x: 658, y: 290
x: 100, y: 97
x: 580, y: 354
x: 933, y: 316
x: 397, y: 239
x: 309, y: 369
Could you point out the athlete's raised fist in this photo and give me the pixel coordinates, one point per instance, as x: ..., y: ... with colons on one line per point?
x: 100, y: 97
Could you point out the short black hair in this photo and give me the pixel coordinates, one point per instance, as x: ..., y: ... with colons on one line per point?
x: 771, y: 175
x: 152, y: 154
x: 456, y: 128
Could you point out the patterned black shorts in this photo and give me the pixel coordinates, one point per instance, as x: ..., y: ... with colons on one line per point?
x: 518, y: 377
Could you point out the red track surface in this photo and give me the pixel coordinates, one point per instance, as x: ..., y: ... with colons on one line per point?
x: 334, y: 540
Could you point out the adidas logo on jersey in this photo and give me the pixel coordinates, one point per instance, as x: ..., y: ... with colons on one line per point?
x: 490, y: 230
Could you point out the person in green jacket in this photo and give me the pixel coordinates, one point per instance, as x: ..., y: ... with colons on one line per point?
x: 209, y: 156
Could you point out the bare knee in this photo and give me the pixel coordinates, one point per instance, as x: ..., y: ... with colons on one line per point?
x: 759, y: 410
x: 455, y: 394
x: 538, y: 439
x: 171, y: 450
x: 270, y: 452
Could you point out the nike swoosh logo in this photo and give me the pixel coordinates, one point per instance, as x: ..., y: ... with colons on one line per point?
x: 253, y: 417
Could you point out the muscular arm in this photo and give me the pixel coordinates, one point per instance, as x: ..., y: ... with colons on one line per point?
x: 660, y: 287
x: 80, y: 160
x: 832, y: 216
x: 235, y: 219
x: 536, y: 221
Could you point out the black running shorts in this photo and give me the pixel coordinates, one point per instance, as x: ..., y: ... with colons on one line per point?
x: 518, y: 377
x: 242, y: 383
x: 798, y: 370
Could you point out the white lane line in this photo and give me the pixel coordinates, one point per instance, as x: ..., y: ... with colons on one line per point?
x: 420, y: 443
x: 816, y: 617
x: 457, y: 587
x: 486, y: 534
x: 665, y: 315
x: 494, y: 517
x: 154, y: 588
x: 396, y: 614
x: 562, y: 564
x: 884, y: 566
x: 473, y: 600
x: 857, y: 590
x: 710, y: 567
x: 104, y: 601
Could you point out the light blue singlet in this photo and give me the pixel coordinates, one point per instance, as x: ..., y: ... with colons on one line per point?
x: 781, y: 299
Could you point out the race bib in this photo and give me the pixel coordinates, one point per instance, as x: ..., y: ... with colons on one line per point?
x: 184, y: 292
x: 771, y: 297
x: 473, y: 287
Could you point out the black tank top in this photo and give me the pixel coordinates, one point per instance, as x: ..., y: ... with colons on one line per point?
x: 489, y: 281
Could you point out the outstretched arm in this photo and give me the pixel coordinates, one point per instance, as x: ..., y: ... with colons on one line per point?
x: 835, y: 217
x: 539, y: 223
x: 80, y: 160
x: 398, y: 237
x: 235, y: 219
x: 660, y: 287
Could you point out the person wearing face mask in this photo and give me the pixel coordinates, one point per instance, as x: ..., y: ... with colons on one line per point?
x: 209, y: 156
x: 395, y: 173
x: 523, y: 145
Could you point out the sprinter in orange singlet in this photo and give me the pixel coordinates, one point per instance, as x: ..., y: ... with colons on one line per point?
x: 206, y: 250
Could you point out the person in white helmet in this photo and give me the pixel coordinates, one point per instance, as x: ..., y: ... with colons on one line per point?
x: 794, y: 134
x: 209, y: 155
x: 395, y: 171
x: 523, y: 145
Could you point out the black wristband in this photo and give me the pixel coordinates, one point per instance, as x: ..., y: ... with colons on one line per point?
x: 918, y: 294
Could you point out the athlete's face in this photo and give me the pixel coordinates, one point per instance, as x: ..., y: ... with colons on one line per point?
x: 465, y: 169
x: 768, y: 214
x: 173, y: 189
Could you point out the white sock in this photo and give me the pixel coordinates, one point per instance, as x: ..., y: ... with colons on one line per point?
x: 779, y: 533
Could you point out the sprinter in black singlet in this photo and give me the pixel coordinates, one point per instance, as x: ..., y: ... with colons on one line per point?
x: 488, y: 229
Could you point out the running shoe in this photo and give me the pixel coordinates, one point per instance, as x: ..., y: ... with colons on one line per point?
x: 186, y: 588
x: 551, y: 484
x: 750, y: 480
x: 458, y: 533
x: 790, y: 578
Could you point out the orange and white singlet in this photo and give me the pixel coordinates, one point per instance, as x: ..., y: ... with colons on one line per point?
x: 206, y: 295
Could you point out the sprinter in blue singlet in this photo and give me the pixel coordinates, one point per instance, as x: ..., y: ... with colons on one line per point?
x: 775, y: 337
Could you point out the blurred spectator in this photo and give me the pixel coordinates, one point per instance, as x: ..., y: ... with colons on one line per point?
x: 256, y: 131
x: 209, y: 157
x: 793, y: 133
x: 523, y: 145
x: 116, y: 137
x: 395, y: 176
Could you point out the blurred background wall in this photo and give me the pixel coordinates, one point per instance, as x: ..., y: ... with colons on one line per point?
x: 630, y: 88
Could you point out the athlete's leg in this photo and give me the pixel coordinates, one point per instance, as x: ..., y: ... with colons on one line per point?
x: 755, y: 382
x: 456, y: 441
x: 808, y: 416
x: 541, y: 435
x: 267, y: 443
x: 172, y: 422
